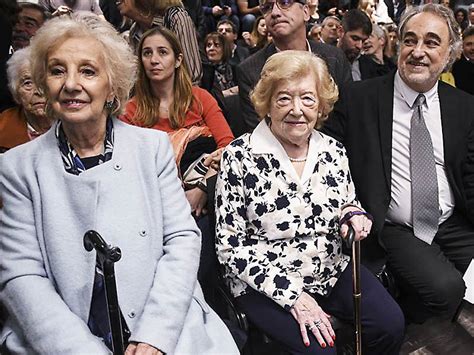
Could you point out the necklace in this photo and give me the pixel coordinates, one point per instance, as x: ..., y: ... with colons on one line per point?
x: 297, y: 160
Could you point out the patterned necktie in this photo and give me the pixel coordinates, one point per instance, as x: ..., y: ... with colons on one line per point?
x: 424, y: 182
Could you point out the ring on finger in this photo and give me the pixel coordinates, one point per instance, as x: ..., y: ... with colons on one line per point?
x: 311, y: 326
x: 318, y: 322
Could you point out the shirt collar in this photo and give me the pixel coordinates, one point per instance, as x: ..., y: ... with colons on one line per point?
x: 308, y: 47
x: 409, y: 95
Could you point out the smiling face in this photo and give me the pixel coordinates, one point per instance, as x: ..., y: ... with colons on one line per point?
x: 373, y: 44
x: 424, y: 51
x: 294, y: 110
x: 30, y: 98
x: 159, y: 60
x: 214, y: 50
x: 77, y: 81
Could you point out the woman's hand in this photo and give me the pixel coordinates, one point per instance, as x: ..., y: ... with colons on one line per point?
x: 312, y: 318
x: 234, y: 90
x: 247, y: 39
x: 62, y: 10
x: 213, y: 160
x: 360, y: 223
x: 142, y: 349
x: 198, y: 200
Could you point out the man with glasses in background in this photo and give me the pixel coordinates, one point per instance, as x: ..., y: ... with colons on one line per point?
x: 286, y: 22
x: 229, y: 31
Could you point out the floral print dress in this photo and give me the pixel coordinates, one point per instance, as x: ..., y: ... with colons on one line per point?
x: 276, y: 232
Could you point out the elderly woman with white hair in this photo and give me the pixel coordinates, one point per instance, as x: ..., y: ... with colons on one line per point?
x: 284, y: 198
x: 91, y: 171
x: 27, y: 120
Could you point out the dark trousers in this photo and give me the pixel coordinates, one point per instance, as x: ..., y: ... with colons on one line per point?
x: 382, y: 320
x: 430, y: 276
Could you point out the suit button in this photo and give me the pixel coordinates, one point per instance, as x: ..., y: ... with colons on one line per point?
x: 132, y: 313
x: 143, y: 233
x: 117, y: 166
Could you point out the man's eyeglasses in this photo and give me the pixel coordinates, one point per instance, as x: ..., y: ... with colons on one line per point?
x: 267, y: 7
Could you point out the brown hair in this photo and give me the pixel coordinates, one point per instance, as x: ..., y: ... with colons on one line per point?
x: 148, y: 105
x: 226, y: 50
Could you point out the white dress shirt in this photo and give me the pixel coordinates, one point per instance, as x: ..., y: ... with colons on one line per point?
x: 400, y: 208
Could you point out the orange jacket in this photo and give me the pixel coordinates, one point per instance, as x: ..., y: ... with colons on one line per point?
x: 13, y: 129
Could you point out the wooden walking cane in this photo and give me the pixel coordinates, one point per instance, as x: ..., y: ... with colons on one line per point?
x: 356, y: 292
x: 107, y: 255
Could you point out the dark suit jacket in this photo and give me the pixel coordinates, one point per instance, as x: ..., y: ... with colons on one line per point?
x: 240, y: 54
x: 463, y: 72
x: 370, y: 69
x: 248, y: 74
x: 362, y: 121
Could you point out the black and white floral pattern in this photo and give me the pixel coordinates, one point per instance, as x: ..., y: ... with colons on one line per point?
x: 276, y: 232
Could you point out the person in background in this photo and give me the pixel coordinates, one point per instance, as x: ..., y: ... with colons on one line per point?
x: 286, y: 23
x: 218, y: 53
x: 284, y: 198
x: 165, y: 100
x: 410, y: 142
x: 249, y: 11
x: 315, y: 33
x: 463, y: 68
x: 229, y: 31
x: 92, y: 171
x: 391, y: 48
x: 172, y: 15
x: 355, y: 29
x: 461, y: 18
x: 314, y: 16
x: 374, y: 47
x: 330, y: 30
x: 258, y: 38
x: 8, y: 17
x: 27, y: 120
x: 31, y: 17
x: 470, y: 15
x: 194, y: 9
x: 64, y: 7
x: 217, y: 10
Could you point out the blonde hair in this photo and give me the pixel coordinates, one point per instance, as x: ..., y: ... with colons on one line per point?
x: 120, y: 63
x: 288, y: 66
x: 148, y: 105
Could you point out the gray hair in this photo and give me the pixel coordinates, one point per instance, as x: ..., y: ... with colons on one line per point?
x: 378, y: 31
x: 120, y: 62
x: 327, y: 18
x: 446, y: 14
x: 15, y: 64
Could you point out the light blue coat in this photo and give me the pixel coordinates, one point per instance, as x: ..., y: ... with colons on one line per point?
x: 135, y: 201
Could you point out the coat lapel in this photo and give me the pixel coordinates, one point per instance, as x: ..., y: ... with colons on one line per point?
x: 449, y: 112
x: 385, y: 116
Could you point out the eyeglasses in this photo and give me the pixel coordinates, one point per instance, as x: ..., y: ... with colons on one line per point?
x: 267, y: 7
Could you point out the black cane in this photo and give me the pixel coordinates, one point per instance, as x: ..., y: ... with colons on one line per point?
x: 356, y: 292
x: 107, y: 255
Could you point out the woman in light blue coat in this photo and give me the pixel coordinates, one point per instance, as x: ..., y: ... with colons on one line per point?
x: 91, y: 171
